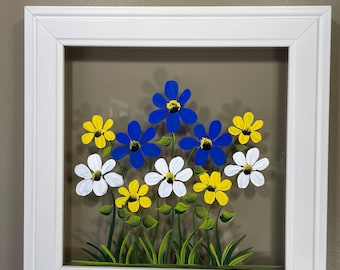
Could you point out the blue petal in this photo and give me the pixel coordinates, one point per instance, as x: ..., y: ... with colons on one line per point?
x: 173, y: 122
x: 214, y: 129
x: 201, y: 157
x: 200, y: 131
x: 188, y: 143
x: 151, y: 150
x: 134, y: 130
x: 136, y: 159
x: 156, y: 116
x: 217, y: 156
x: 224, y: 140
x: 184, y: 97
x: 122, y: 138
x: 188, y: 116
x: 148, y: 135
x: 158, y: 100
x: 120, y: 152
x: 171, y: 89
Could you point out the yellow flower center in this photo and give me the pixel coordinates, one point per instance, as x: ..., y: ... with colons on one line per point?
x: 205, y: 144
x: 247, y: 169
x: 96, y: 175
x: 170, y: 177
x: 173, y: 106
x: 134, y: 146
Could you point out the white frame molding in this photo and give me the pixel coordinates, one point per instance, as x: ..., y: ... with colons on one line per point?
x: 305, y: 31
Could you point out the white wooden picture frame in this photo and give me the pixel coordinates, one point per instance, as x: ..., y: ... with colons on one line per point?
x: 305, y: 31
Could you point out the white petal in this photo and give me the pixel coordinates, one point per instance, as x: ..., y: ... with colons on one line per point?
x: 179, y: 189
x: 108, y: 166
x: 252, y: 155
x: 114, y: 179
x: 231, y: 170
x: 161, y: 166
x: 95, y: 162
x: 239, y: 158
x: 164, y: 189
x: 83, y: 171
x: 257, y: 179
x: 176, y: 164
x: 153, y: 178
x: 184, y: 175
x: 100, y: 187
x: 84, y: 187
x: 261, y: 164
x: 243, y: 180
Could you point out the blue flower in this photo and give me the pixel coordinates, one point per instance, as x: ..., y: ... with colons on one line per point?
x: 136, y: 144
x: 172, y: 107
x: 207, y: 143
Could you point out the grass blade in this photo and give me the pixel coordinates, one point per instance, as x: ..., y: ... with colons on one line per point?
x: 121, y: 253
x: 184, y: 247
x: 213, y: 252
x: 94, y: 256
x: 163, y: 245
x: 145, y: 249
x: 192, y: 254
x: 240, y: 258
x: 108, y: 252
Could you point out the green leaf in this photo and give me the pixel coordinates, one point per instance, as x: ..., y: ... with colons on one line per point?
x: 163, y: 245
x: 208, y: 224
x: 240, y: 259
x: 133, y: 220
x: 181, y: 208
x: 240, y: 148
x: 192, y: 254
x: 123, y: 213
x: 201, y: 212
x: 164, y: 141
x: 165, y: 209
x: 106, y: 151
x: 198, y: 170
x: 213, y: 252
x: 226, y: 216
x: 149, y: 222
x: 190, y: 197
x: 106, y: 209
x: 108, y: 252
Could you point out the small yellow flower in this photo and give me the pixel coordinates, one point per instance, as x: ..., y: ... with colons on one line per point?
x: 245, y: 129
x: 134, y: 196
x: 96, y: 130
x: 214, y: 188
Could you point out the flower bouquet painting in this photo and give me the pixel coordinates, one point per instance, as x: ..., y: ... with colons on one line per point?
x: 168, y: 183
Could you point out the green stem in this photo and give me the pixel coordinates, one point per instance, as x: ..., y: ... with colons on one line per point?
x: 173, y: 144
x: 155, y: 232
x: 121, y: 169
x: 217, y: 235
x: 190, y: 156
x: 180, y: 238
x: 113, y: 221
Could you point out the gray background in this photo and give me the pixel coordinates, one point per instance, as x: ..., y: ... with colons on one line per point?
x: 12, y: 135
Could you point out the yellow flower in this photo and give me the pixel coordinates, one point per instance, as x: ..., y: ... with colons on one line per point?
x: 245, y: 129
x: 214, y: 188
x: 96, y: 130
x: 134, y: 196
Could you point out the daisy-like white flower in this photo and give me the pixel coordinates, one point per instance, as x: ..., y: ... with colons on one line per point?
x: 214, y: 188
x: 245, y: 128
x: 98, y: 131
x: 249, y: 166
x: 172, y: 177
x: 97, y: 177
x: 134, y: 196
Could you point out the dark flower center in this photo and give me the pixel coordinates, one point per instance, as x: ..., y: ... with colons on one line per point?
x: 132, y: 199
x: 134, y: 146
x: 173, y: 106
x: 170, y: 178
x: 246, y: 132
x: 247, y: 169
x: 211, y: 188
x: 206, y: 144
x: 98, y: 133
x: 96, y: 175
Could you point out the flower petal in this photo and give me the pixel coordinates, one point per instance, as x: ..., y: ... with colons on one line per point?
x: 179, y: 189
x: 205, y: 179
x: 123, y: 138
x: 148, y: 135
x: 83, y: 171
x: 108, y: 166
x: 224, y: 140
x: 255, y: 136
x: 188, y: 143
x: 164, y: 189
x: 108, y: 124
x: 157, y: 116
x: 209, y: 197
x: 100, y: 141
x: 222, y: 198
x: 87, y: 138
x: 257, y: 125
x: 151, y: 150
x: 257, y: 179
x: 100, y: 187
x: 120, y: 202
x: 199, y: 187
x: 224, y: 185
x: 243, y: 180
x: 133, y: 187
x: 217, y: 156
x: 89, y: 126
x: 97, y: 121
x: 184, y: 175
x: 158, y: 100
x: 234, y: 131
x: 133, y: 206
x: 94, y: 162
x: 239, y: 158
x: 109, y: 135
x: 114, y: 179
x: 134, y: 130
x: 238, y: 122
x: 162, y: 166
x: 261, y: 164
x: 173, y: 122
x: 153, y: 178
x: 145, y: 202
x: 215, y: 178
x: 243, y: 139
x: 231, y: 170
x: 84, y: 187
x: 120, y: 152
x: 199, y: 131
x: 201, y: 156
x: 143, y: 190
x: 252, y: 155
x: 187, y: 115
x: 124, y: 191
x: 248, y: 119
x: 171, y: 89
x: 214, y: 129
x: 176, y: 164
x: 184, y: 97
x: 136, y: 159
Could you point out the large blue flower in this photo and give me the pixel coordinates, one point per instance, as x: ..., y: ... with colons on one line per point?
x: 172, y: 107
x: 136, y: 144
x: 207, y: 143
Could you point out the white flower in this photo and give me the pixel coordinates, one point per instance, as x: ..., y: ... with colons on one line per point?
x: 173, y: 177
x: 249, y: 166
x: 96, y: 177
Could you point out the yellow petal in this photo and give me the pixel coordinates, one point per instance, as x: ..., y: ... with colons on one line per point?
x: 248, y: 119
x: 97, y: 121
x: 205, y: 178
x: 243, y: 139
x: 123, y: 191
x: 109, y: 135
x: 198, y: 187
x: 145, y: 202
x: 100, y: 141
x: 120, y: 202
x: 143, y: 190
x: 234, y: 131
x: 256, y: 136
x: 87, y: 138
x: 133, y: 187
x: 215, y: 178
x: 108, y: 124
x: 238, y: 122
x: 257, y: 125
x: 222, y: 198
x: 209, y: 197
x: 133, y: 206
x: 89, y: 126
x: 224, y: 185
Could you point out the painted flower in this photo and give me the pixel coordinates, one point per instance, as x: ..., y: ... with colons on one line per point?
x: 97, y: 177
x: 245, y: 129
x: 214, y: 188
x: 134, y: 196
x: 98, y: 131
x: 172, y: 108
x: 249, y: 166
x: 172, y: 177
x: 137, y: 144
x: 207, y: 144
